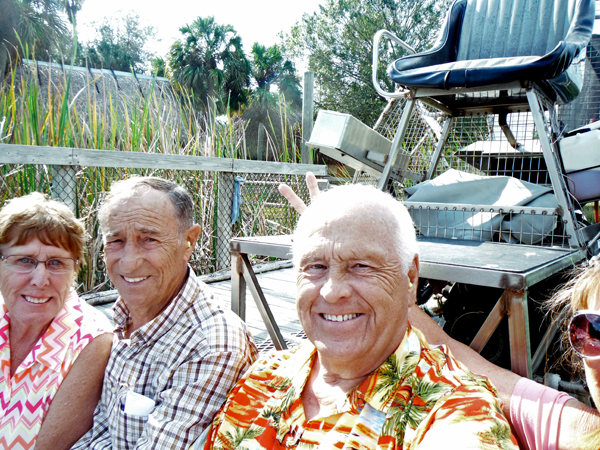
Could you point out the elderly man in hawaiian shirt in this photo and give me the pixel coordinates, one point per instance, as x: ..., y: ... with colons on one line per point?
x: 176, y: 352
x: 367, y: 380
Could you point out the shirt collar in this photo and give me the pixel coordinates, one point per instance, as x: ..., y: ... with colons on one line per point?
x: 162, y: 323
x: 379, y: 388
x: 4, y: 323
x: 293, y: 374
x: 288, y: 382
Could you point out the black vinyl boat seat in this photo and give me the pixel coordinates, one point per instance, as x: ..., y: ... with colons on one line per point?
x: 499, y: 57
x: 491, y: 42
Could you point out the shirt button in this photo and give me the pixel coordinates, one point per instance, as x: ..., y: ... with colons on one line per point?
x: 113, y: 390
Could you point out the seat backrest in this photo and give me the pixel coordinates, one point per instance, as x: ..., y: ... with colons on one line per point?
x: 505, y: 28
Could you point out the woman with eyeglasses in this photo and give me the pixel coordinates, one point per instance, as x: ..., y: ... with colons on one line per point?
x: 53, y: 346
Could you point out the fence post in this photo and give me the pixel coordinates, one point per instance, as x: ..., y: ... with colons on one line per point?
x: 225, y: 182
x: 307, y: 114
x: 64, y: 187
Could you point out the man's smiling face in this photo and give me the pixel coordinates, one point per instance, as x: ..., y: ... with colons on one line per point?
x: 352, y: 291
x: 146, y: 253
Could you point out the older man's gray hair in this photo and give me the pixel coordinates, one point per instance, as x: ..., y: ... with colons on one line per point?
x: 359, y: 199
x: 123, y: 190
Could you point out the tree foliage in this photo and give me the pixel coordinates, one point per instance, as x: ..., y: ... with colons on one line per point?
x: 275, y: 111
x: 270, y: 67
x: 37, y: 26
x: 120, y: 44
x: 209, y: 60
x: 338, y: 41
x: 159, y: 67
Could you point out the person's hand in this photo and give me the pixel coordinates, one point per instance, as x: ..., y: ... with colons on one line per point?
x: 295, y: 201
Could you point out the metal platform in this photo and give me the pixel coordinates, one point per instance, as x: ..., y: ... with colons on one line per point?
x: 510, y: 267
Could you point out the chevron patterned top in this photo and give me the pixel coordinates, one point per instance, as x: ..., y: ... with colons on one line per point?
x: 26, y: 397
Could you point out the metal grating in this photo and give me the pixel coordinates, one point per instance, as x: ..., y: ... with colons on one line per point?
x: 292, y: 340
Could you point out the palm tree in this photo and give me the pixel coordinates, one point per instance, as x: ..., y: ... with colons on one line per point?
x: 272, y: 111
x: 209, y: 60
x: 33, y: 24
x: 270, y: 67
x: 71, y: 7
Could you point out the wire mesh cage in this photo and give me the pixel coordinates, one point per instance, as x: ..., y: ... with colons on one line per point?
x: 483, y: 144
x: 226, y: 206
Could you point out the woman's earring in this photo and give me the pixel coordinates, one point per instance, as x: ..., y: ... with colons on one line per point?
x: 189, y: 244
x: 410, y: 285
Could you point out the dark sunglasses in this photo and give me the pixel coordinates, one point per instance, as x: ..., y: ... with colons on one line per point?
x: 584, y: 334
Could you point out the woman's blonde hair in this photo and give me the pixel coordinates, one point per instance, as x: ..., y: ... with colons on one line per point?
x: 575, y: 295
x: 36, y: 216
x: 591, y: 441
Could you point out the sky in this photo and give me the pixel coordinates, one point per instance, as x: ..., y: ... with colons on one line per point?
x: 255, y: 21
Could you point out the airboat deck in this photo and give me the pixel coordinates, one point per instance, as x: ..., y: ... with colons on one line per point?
x: 491, y: 264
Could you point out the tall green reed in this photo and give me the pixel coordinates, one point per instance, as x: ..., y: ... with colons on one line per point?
x: 51, y: 107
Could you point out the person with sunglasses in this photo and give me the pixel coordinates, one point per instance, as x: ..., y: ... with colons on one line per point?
x: 579, y: 299
x: 53, y: 346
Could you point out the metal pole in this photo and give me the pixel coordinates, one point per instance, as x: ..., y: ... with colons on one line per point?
x: 307, y: 114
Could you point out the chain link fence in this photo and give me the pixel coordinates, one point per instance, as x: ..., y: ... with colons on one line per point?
x: 262, y: 210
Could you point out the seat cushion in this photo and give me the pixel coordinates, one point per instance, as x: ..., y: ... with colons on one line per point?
x: 585, y: 185
x: 501, y: 28
x: 501, y: 41
x: 466, y: 73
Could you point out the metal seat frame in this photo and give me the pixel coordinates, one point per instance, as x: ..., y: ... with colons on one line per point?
x: 534, y: 101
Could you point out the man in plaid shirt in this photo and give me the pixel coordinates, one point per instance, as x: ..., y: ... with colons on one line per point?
x: 176, y: 352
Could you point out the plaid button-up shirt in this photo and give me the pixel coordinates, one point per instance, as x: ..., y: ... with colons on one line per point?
x: 186, y: 360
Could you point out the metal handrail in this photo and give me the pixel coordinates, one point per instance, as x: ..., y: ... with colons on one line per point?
x: 376, y: 40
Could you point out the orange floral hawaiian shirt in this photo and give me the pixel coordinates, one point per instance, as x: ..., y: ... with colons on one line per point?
x: 420, y: 397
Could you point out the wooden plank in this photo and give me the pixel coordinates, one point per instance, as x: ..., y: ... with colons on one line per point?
x: 139, y: 160
x: 281, y: 301
x: 237, y: 286
x: 247, y: 166
x: 29, y: 154
x: 285, y: 276
x: 262, y: 304
x: 489, y: 326
x: 285, y: 287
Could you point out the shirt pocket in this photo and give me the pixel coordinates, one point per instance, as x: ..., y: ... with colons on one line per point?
x: 130, y: 426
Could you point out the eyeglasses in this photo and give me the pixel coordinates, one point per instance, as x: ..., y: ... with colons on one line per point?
x: 584, y: 334
x: 26, y: 264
